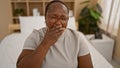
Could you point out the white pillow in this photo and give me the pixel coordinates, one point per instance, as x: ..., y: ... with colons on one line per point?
x: 28, y: 23
x: 71, y: 23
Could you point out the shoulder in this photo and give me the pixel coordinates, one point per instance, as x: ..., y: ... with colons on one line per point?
x: 42, y: 30
x: 75, y: 33
x: 37, y: 33
x: 34, y: 39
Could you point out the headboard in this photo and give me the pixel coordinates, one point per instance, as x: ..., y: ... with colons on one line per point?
x: 28, y: 23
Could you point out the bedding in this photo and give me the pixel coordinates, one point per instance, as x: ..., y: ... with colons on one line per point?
x: 12, y: 45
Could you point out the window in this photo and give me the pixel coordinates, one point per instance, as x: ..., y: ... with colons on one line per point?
x: 111, y: 15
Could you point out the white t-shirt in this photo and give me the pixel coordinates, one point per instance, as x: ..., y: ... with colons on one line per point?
x: 64, y: 53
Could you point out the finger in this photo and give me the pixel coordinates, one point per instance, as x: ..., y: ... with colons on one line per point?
x: 57, y: 26
x: 55, y: 29
x: 60, y: 31
x: 57, y: 32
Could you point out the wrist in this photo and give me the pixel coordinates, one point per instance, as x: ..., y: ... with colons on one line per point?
x: 45, y: 44
x: 42, y: 46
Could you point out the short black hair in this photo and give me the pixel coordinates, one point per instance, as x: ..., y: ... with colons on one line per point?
x: 54, y: 1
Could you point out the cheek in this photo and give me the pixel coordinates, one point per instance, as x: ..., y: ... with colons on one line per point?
x: 64, y: 25
x: 49, y: 24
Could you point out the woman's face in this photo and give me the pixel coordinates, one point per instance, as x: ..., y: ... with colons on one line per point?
x: 57, y: 15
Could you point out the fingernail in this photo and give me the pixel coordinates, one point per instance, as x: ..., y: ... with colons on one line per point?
x: 60, y: 25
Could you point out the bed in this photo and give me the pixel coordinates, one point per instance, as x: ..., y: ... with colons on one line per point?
x: 11, y: 46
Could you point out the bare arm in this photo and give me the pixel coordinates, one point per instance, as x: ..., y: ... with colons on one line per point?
x: 85, y: 62
x: 34, y: 59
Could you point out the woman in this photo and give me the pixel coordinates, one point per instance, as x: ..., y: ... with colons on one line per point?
x: 55, y: 46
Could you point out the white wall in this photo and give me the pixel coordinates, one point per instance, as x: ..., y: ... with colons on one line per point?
x: 117, y: 47
x: 77, y: 8
x: 5, y: 17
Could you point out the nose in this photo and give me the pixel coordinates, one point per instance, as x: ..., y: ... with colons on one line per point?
x: 58, y: 22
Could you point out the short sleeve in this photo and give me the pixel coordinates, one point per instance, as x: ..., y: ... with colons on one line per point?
x: 30, y: 42
x: 83, y: 44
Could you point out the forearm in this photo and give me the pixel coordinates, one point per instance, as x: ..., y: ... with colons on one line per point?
x: 85, y: 61
x: 35, y: 59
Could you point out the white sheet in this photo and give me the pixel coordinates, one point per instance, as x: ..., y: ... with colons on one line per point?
x: 12, y: 45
